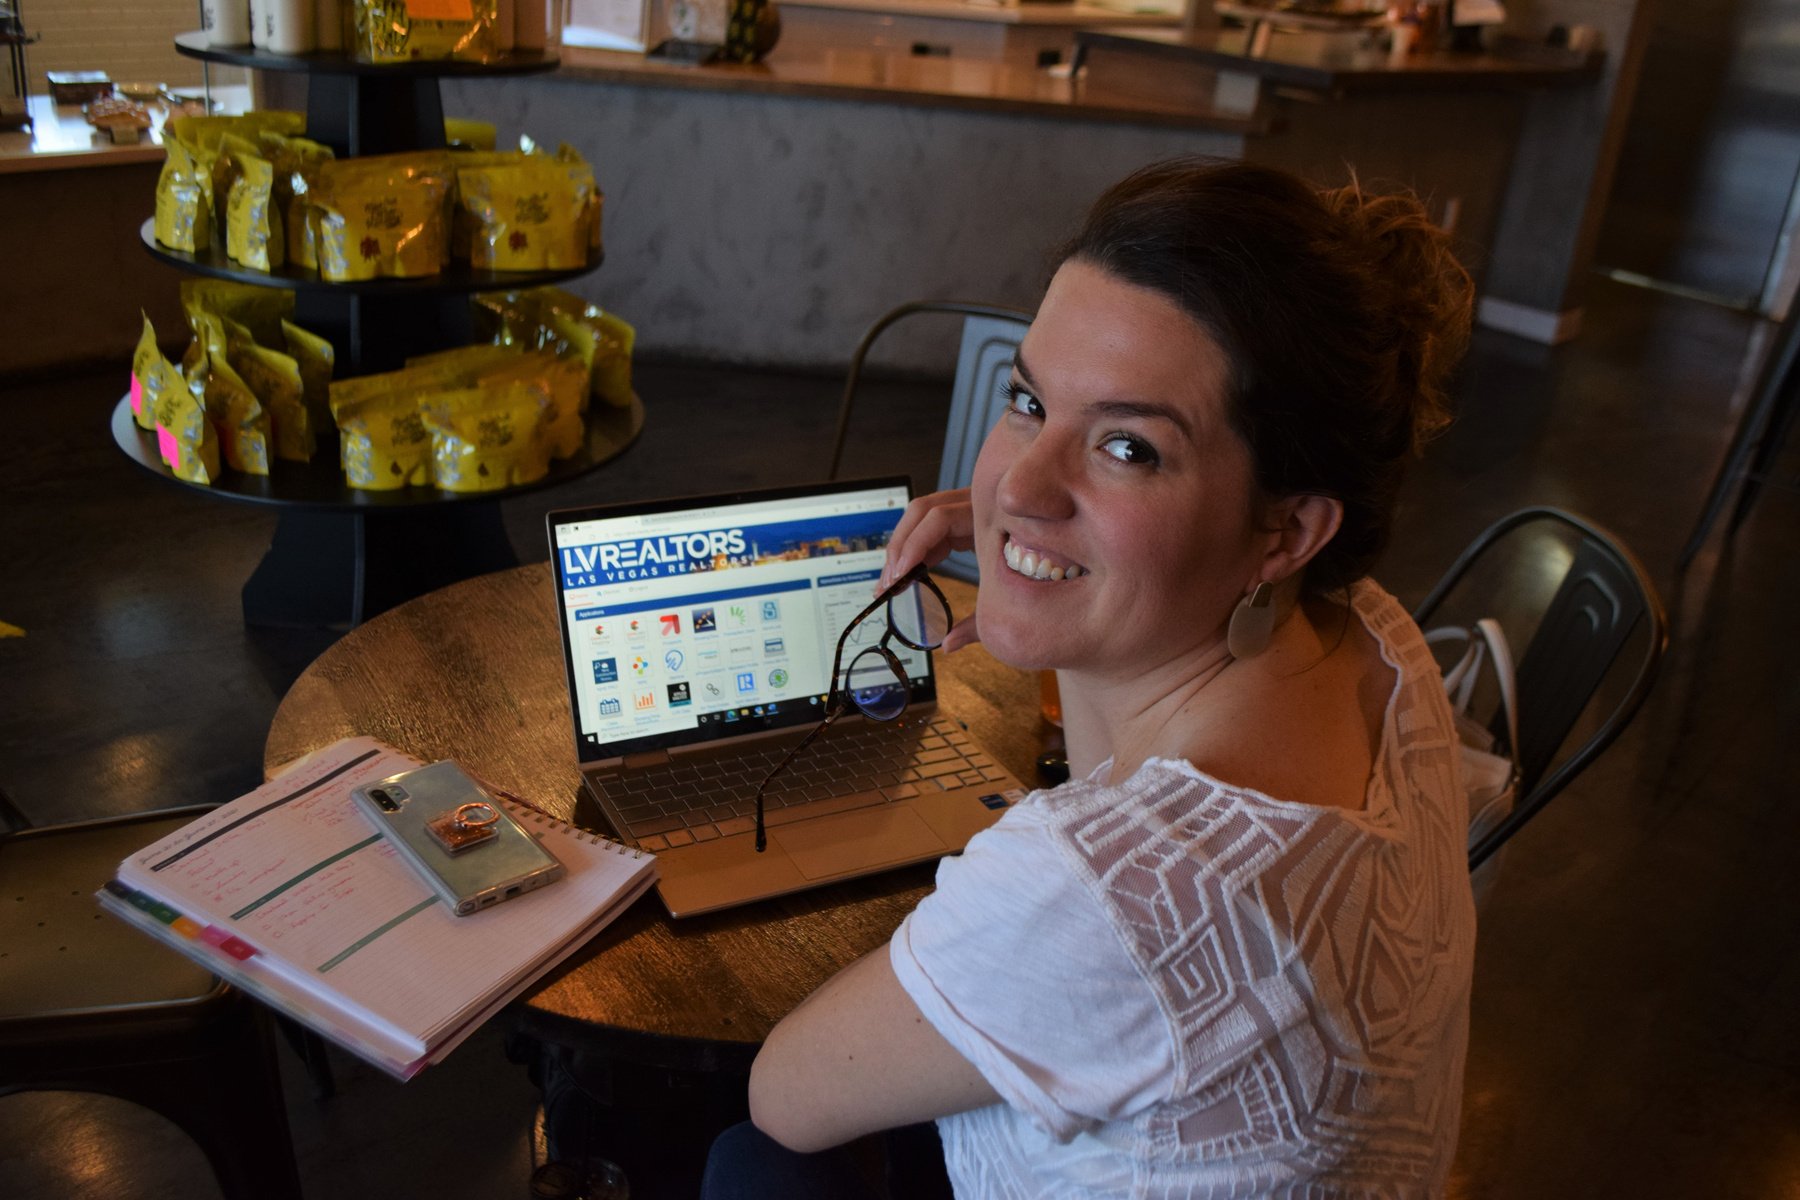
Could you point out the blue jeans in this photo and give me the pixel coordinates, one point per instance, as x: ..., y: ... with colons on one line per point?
x: 747, y: 1164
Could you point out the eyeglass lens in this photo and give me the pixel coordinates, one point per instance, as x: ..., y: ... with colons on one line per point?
x: 875, y: 681
x: 919, y: 617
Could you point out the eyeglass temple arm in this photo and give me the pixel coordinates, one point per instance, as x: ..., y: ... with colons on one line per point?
x: 831, y: 714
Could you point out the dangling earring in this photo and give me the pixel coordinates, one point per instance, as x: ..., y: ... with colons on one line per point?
x: 1252, y: 623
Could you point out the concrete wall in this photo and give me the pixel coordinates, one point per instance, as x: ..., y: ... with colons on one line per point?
x: 773, y: 229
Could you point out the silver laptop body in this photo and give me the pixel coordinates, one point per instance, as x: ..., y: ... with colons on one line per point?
x: 698, y: 636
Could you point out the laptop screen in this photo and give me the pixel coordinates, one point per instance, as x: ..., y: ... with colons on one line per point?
x: 689, y: 620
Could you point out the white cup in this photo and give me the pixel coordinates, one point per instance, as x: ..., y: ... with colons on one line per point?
x: 284, y: 26
x: 225, y: 22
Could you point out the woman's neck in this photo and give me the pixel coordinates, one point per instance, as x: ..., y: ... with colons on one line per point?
x: 1131, y: 718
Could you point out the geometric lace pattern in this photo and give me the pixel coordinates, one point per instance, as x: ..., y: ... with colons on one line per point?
x: 1313, y: 964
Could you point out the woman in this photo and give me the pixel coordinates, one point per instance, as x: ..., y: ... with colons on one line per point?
x: 1233, y: 957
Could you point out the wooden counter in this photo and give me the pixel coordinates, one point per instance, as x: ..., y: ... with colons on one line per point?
x: 59, y: 137
x: 977, y: 85
x: 1024, y: 34
x: 1341, y: 64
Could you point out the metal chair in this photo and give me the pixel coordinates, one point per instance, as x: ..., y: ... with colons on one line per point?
x: 88, y: 1004
x: 990, y: 337
x: 1599, y: 595
x: 1750, y: 459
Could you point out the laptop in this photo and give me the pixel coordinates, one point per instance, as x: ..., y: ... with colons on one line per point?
x: 698, y: 636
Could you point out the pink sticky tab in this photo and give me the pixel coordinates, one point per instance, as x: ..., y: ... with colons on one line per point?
x: 167, y: 446
x: 187, y: 928
x: 137, y: 396
x: 212, y: 935
x: 238, y: 948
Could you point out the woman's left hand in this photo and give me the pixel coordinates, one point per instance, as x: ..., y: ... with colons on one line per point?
x: 929, y: 530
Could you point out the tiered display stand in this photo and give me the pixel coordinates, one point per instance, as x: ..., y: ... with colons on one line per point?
x: 341, y: 555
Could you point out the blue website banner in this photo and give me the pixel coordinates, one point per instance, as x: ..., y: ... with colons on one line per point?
x: 666, y: 603
x: 668, y: 555
x: 850, y: 577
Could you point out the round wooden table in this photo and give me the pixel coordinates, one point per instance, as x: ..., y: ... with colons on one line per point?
x: 475, y: 672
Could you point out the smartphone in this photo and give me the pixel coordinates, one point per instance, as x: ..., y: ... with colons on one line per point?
x: 461, y: 840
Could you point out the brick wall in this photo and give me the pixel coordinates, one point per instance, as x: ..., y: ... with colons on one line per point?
x: 128, y: 39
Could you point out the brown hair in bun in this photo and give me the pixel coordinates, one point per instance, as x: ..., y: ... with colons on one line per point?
x: 1341, y: 313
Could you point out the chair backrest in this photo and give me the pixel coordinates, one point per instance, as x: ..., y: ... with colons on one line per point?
x: 1602, y: 597
x: 990, y: 337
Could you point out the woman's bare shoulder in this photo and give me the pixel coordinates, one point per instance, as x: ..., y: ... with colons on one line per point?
x: 1305, y: 726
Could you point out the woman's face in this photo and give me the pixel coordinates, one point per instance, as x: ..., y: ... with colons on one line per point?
x: 1115, y: 512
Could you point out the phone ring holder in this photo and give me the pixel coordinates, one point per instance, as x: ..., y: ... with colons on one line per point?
x: 468, y: 815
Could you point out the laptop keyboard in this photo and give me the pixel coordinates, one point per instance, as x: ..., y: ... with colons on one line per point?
x: 857, y: 767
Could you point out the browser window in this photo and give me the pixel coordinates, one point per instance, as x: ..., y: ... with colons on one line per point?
x: 720, y: 619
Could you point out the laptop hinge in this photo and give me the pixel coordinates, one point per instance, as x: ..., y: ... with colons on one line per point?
x: 648, y: 758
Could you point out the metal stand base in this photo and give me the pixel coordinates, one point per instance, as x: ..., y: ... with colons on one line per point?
x: 335, y: 570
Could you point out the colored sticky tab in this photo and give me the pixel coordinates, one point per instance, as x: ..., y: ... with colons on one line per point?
x: 118, y: 889
x: 212, y: 935
x: 238, y: 948
x: 140, y: 901
x: 188, y: 928
x: 162, y: 912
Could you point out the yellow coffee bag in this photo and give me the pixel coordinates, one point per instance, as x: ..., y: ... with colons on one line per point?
x: 253, y: 233
x: 383, y: 442
x: 384, y: 216
x: 316, y: 359
x: 184, y: 203
x: 184, y: 437
x: 533, y: 215
x: 275, y: 379
x: 240, y: 421
x: 395, y: 31
x: 484, y: 439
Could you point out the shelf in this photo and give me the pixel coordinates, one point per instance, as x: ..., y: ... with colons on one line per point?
x: 457, y: 277
x: 319, y: 485
x: 334, y: 62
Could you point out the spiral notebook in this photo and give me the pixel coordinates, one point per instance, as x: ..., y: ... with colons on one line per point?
x: 292, y: 894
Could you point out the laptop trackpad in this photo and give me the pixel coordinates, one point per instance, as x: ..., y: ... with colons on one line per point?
x: 827, y: 846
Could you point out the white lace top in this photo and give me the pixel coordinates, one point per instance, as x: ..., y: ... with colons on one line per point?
x: 1182, y: 988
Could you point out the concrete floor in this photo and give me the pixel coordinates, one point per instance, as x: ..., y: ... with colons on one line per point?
x: 1637, y: 978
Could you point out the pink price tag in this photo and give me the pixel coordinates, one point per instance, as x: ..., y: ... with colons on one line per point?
x: 137, y: 397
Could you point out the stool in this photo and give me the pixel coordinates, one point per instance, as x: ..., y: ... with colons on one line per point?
x: 90, y: 1004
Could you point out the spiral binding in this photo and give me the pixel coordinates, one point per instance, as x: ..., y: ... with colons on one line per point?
x: 540, y: 816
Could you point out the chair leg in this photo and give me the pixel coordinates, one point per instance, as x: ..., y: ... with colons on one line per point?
x: 1777, y: 379
x: 311, y: 1049
x: 1768, y: 447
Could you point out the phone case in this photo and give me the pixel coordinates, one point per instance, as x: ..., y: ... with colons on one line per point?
x: 484, y: 869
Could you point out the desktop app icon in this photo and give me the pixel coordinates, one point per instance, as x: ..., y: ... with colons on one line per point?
x: 771, y: 610
x: 609, y: 707
x: 673, y: 660
x: 643, y: 700
x: 778, y: 678
x: 746, y: 681
x: 640, y: 667
x: 679, y: 696
x: 671, y: 623
x: 774, y: 646
x: 606, y: 670
x: 704, y: 620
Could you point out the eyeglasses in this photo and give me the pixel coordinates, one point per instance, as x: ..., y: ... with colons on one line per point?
x: 917, y: 616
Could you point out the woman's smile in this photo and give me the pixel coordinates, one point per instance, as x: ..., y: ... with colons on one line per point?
x: 1039, y: 564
